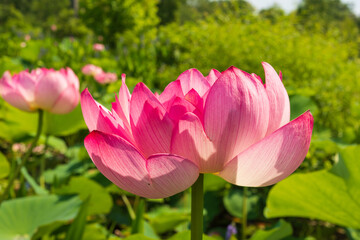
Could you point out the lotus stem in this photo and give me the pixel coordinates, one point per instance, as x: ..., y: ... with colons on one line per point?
x: 43, y: 164
x: 197, y: 206
x: 128, y: 206
x: 25, y: 158
x: 138, y: 223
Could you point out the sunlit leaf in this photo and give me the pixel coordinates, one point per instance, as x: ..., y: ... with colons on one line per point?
x: 299, y: 104
x: 16, y: 124
x: 138, y: 236
x: 164, y: 218
x: 20, y: 218
x: 77, y: 227
x: 100, y: 199
x: 280, y: 230
x: 186, y: 236
x: 213, y: 182
x: 233, y: 202
x: 4, y: 166
x: 64, y: 124
x: 326, y: 195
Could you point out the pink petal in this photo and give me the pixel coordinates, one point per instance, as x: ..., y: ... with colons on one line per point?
x: 122, y: 104
x: 273, y: 158
x: 193, y: 79
x: 236, y: 113
x: 158, y: 177
x: 194, y: 98
x: 72, y: 78
x: 152, y: 132
x: 190, y: 141
x: 67, y: 101
x: 11, y: 94
x: 49, y: 88
x: 25, y: 84
x: 213, y: 76
x: 142, y: 94
x: 150, y: 123
x: 90, y: 110
x: 17, y: 100
x: 172, y: 91
x: 179, y: 107
x: 278, y: 99
x: 97, y: 117
x: 171, y: 174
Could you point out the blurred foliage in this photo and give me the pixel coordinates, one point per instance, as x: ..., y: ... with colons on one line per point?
x: 111, y: 19
x: 316, y: 47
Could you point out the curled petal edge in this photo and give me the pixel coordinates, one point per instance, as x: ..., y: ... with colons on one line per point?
x: 159, y: 176
x: 273, y: 158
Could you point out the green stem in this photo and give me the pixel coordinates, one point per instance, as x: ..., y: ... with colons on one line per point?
x: 24, y: 159
x: 43, y: 164
x: 128, y: 206
x: 197, y: 206
x: 138, y: 223
x: 244, y: 214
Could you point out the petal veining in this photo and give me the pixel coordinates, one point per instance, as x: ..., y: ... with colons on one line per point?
x: 213, y: 76
x: 278, y: 99
x: 236, y: 113
x: 159, y: 176
x: 190, y: 141
x: 273, y: 158
x: 193, y: 79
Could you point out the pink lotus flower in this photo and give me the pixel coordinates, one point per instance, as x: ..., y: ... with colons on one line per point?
x: 230, y: 124
x: 53, y: 27
x: 98, y: 47
x: 47, y: 89
x: 92, y: 70
x: 27, y: 37
x: 104, y: 77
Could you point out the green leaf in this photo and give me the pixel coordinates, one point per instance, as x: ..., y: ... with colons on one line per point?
x: 20, y: 218
x: 16, y: 124
x: 77, y: 227
x: 300, y: 104
x: 100, y: 201
x: 165, y: 219
x: 57, y: 143
x: 354, y: 234
x: 4, y: 166
x: 280, y: 230
x: 63, y: 171
x: 149, y: 231
x: 38, y: 190
x: 350, y: 159
x: 214, y: 183
x: 186, y: 236
x: 233, y: 200
x: 46, y: 230
x: 326, y: 195
x: 138, y: 236
x: 94, y: 231
x: 31, y: 51
x: 64, y: 124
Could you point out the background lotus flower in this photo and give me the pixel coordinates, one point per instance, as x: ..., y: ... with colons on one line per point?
x: 104, y: 77
x: 47, y: 89
x: 92, y: 70
x: 229, y: 123
x: 98, y: 47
